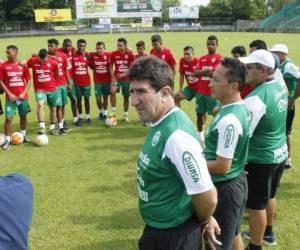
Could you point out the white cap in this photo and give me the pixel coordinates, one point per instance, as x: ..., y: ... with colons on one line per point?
x: 280, y: 47
x: 260, y: 56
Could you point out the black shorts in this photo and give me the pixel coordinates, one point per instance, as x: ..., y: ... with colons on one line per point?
x: 185, y: 236
x: 263, y: 181
x: 232, y: 198
x: 289, y: 120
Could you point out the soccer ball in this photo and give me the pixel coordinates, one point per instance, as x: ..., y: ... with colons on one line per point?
x: 2, y: 139
x: 41, y: 140
x: 111, y: 121
x: 17, y: 138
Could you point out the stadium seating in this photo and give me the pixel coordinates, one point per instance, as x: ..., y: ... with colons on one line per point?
x: 288, y: 18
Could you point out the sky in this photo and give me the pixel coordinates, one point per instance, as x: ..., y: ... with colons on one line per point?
x: 194, y: 2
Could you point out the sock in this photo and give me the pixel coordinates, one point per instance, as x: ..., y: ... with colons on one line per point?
x: 42, y: 125
x: 63, y: 120
x: 80, y: 116
x: 113, y: 109
x: 75, y: 119
x: 87, y: 116
x: 125, y: 113
x: 254, y: 247
x: 7, y: 138
x: 61, y: 125
x: 51, y: 126
x: 101, y: 111
x: 23, y: 132
x: 269, y: 230
x: 105, y: 112
x: 201, y: 135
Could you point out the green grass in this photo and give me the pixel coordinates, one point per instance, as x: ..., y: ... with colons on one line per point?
x: 85, y: 190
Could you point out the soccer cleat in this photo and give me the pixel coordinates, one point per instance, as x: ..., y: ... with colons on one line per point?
x: 270, y: 239
x: 104, y: 117
x: 126, y: 119
x: 78, y: 122
x: 6, y: 145
x: 88, y: 121
x: 65, y: 125
x: 101, y: 116
x: 246, y: 235
x: 52, y: 132
x: 26, y: 140
x: 42, y: 131
x: 62, y: 131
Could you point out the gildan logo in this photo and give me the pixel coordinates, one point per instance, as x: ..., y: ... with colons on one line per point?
x: 155, y: 138
x: 228, y: 136
x: 191, y: 167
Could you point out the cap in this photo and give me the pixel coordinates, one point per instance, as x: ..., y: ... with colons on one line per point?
x: 280, y: 47
x: 260, y: 56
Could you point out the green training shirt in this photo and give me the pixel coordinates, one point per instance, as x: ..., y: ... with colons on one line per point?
x: 170, y: 169
x: 228, y: 137
x: 268, y: 106
x: 290, y: 74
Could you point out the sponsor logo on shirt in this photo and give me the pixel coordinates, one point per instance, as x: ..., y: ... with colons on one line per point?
x: 228, y: 136
x: 191, y: 166
x: 282, y: 105
x: 155, y: 138
x: 144, y: 159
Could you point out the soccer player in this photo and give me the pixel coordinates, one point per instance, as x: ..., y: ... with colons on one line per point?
x: 267, y: 103
x: 68, y: 49
x: 238, y: 51
x: 62, y: 85
x: 14, y: 79
x: 176, y: 195
x: 81, y: 62
x: 162, y: 52
x: 100, y: 63
x: 140, y: 49
x: 16, y: 199
x: 121, y: 59
x: 187, y: 65
x: 206, y: 66
x: 226, y: 150
x: 291, y: 77
x: 44, y: 70
x: 1, y: 92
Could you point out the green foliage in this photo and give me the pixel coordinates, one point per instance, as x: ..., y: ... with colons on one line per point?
x: 258, y: 9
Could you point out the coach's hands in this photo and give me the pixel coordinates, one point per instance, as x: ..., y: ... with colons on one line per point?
x: 210, y: 233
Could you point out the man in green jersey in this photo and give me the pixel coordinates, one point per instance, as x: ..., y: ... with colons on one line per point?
x: 176, y: 194
x: 291, y: 77
x: 267, y: 103
x: 226, y: 151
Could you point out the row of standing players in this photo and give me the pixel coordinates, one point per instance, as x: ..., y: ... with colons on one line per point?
x: 62, y: 72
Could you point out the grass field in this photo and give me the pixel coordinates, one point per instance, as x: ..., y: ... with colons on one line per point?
x: 85, y: 190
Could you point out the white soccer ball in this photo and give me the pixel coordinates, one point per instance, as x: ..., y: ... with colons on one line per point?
x: 41, y: 140
x: 111, y: 121
x: 17, y: 138
x: 2, y: 139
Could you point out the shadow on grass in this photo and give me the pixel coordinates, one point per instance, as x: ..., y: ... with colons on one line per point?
x: 116, y: 244
x: 128, y: 187
x: 121, y: 219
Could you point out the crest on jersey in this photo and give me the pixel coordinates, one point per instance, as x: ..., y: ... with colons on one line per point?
x: 126, y: 57
x: 163, y: 57
x: 104, y: 57
x: 155, y: 138
x: 59, y: 59
x: 213, y: 60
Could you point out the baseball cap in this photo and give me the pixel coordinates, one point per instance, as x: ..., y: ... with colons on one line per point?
x: 260, y: 56
x: 280, y: 47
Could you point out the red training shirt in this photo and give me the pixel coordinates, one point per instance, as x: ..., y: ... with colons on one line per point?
x: 101, y: 64
x: 166, y: 55
x: 188, y: 68
x: 80, y: 64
